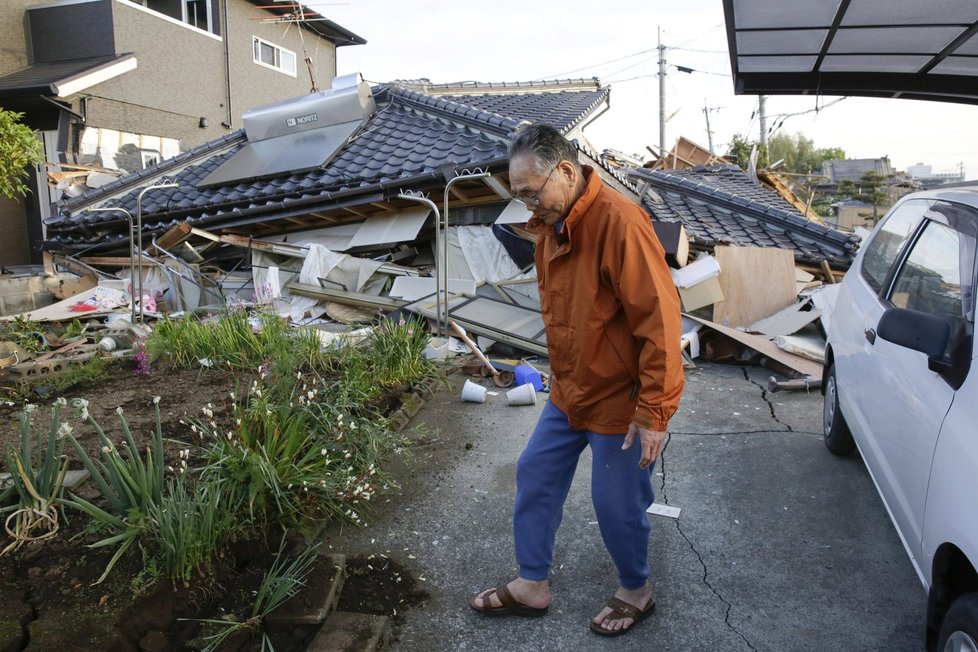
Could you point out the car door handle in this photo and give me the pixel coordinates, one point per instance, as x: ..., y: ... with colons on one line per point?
x: 870, y: 334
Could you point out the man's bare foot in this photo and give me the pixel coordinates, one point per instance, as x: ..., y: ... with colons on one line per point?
x: 610, y: 620
x: 529, y: 593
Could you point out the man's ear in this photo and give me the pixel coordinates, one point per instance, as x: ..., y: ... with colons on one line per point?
x: 567, y: 169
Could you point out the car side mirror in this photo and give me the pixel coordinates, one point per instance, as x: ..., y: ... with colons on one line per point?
x: 920, y: 331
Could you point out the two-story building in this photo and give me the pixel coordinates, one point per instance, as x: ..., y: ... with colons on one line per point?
x: 117, y: 85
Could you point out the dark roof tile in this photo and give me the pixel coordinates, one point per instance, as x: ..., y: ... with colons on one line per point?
x: 720, y: 204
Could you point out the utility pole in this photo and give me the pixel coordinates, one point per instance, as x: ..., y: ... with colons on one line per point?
x: 762, y: 109
x: 662, y: 96
x: 709, y: 132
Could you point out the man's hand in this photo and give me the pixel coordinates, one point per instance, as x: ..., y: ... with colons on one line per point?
x: 652, y: 441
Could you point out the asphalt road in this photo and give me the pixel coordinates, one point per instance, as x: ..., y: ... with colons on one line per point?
x: 779, y: 545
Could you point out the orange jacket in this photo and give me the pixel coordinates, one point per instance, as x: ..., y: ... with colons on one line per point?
x: 612, y: 315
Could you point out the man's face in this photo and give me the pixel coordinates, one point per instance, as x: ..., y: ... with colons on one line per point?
x: 549, y: 195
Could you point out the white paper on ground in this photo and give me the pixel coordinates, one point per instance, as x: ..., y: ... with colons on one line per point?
x: 664, y: 510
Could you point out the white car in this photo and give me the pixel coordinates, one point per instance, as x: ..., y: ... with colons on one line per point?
x: 899, y: 384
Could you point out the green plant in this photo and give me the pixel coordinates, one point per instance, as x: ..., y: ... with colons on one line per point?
x: 19, y: 149
x: 192, y: 523
x: 26, y: 333
x: 37, y: 479
x: 273, y: 454
x: 131, y: 485
x: 74, y: 329
x: 283, y: 580
x: 89, y: 371
x: 396, y: 352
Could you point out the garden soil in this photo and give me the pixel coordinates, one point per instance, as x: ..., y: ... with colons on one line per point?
x: 50, y: 600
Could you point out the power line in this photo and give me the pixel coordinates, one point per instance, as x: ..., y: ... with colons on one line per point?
x: 596, y: 65
x: 696, y: 50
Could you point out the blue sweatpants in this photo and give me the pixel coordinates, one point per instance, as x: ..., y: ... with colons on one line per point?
x: 620, y: 491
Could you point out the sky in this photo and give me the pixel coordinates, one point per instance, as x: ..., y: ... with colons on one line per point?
x: 615, y: 40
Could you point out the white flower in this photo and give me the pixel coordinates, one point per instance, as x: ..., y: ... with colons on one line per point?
x: 61, y: 402
x: 30, y: 408
x: 310, y: 394
x: 323, y: 452
x: 64, y: 430
x: 156, y: 400
x: 118, y: 410
x: 232, y: 395
x: 106, y: 449
x: 353, y: 425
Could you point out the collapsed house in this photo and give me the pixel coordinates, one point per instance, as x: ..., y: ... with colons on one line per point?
x: 396, y: 196
x: 343, y: 175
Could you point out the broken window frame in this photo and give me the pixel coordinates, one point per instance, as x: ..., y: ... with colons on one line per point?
x: 277, y: 51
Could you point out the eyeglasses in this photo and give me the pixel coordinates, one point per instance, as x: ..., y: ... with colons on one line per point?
x: 534, y: 198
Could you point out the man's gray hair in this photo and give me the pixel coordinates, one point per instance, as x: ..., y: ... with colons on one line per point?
x: 547, y: 145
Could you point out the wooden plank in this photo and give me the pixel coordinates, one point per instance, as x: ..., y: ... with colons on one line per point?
x: 829, y: 276
x: 756, y: 283
x: 173, y: 236
x: 206, y: 235
x: 767, y: 348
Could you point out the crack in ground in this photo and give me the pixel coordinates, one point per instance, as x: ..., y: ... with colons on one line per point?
x: 764, y: 393
x: 706, y: 579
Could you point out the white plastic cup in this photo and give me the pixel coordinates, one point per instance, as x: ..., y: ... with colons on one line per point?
x: 524, y: 394
x: 473, y: 392
x: 107, y: 344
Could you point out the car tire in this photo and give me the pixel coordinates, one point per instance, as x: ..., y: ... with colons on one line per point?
x: 959, y: 631
x: 838, y: 438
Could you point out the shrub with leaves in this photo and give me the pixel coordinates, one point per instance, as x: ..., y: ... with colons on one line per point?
x: 19, y: 149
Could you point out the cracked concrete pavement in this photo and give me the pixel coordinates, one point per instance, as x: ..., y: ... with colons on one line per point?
x: 779, y: 546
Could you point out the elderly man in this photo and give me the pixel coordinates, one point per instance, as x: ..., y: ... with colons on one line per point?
x: 613, y: 333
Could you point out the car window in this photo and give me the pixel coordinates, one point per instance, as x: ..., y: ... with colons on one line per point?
x: 883, y: 250
x: 938, y: 275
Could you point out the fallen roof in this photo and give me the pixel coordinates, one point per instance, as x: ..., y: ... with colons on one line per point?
x: 875, y: 48
x: 720, y: 205
x: 414, y: 140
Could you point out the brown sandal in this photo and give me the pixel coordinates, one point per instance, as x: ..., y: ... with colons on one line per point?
x: 508, y: 605
x: 621, y: 609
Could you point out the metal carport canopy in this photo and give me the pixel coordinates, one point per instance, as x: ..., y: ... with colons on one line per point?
x: 914, y: 49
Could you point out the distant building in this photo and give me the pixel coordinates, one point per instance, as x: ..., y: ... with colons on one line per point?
x: 853, y: 169
x: 927, y: 178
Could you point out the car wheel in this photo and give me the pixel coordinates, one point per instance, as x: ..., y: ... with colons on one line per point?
x: 838, y: 438
x: 959, y: 632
